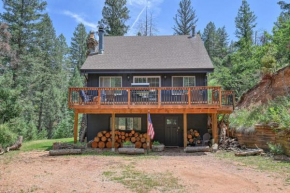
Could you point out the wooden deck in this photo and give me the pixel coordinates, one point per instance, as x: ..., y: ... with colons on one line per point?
x: 157, y: 100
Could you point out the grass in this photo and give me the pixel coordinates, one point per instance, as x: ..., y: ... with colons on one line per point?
x: 141, y: 182
x: 44, y: 145
x: 258, y: 162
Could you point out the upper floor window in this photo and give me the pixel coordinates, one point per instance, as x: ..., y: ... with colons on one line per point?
x: 110, y: 81
x: 154, y: 81
x: 183, y: 81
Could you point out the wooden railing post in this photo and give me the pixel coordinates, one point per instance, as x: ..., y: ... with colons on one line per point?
x: 69, y: 97
x: 220, y: 96
x: 184, y: 129
x: 99, y: 97
x: 129, y: 97
x: 159, y: 97
x: 189, y: 97
x: 113, y: 131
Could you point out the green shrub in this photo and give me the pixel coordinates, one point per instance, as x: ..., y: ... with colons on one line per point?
x: 156, y: 143
x: 127, y: 143
x: 7, y: 137
x: 275, y: 148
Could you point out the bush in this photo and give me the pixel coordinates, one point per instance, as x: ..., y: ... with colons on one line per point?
x: 7, y: 137
x: 63, y: 130
x: 127, y: 143
x: 156, y: 143
x: 276, y: 148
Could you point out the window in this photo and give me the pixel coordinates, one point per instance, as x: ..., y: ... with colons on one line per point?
x: 127, y: 123
x: 154, y: 81
x: 110, y: 82
x: 182, y: 81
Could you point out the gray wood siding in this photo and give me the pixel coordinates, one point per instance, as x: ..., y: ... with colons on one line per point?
x: 201, y: 79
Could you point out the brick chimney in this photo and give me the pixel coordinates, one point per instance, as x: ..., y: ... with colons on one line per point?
x: 92, y: 43
x: 101, y: 39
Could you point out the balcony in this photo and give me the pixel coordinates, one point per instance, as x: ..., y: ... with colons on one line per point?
x: 94, y: 99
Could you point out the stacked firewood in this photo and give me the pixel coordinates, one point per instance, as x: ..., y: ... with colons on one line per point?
x: 104, y: 139
x: 193, y: 137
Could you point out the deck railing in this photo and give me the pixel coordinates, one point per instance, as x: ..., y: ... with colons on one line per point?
x: 155, y: 96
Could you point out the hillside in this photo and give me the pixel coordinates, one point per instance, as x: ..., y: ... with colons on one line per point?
x: 268, y: 89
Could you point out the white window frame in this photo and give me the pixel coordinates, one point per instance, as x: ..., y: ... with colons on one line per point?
x: 179, y: 93
x: 110, y: 83
x: 134, y: 77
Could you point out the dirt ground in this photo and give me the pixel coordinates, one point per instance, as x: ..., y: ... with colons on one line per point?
x: 37, y: 172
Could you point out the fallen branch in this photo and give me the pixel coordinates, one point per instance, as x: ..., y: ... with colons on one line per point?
x: 65, y: 152
x: 249, y: 152
x: 16, y: 145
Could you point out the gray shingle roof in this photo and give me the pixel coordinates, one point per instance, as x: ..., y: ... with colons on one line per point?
x: 150, y: 53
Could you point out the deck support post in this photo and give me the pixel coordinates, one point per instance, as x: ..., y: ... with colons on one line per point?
x: 76, y: 127
x: 214, y: 127
x: 113, y: 131
x: 185, y: 129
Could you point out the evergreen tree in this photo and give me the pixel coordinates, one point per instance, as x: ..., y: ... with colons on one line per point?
x: 78, y: 48
x: 245, y: 23
x: 209, y: 38
x: 115, y: 14
x: 185, y: 18
x: 222, y: 42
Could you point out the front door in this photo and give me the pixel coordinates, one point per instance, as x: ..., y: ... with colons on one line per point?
x: 171, y: 131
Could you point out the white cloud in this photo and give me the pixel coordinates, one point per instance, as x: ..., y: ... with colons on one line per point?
x: 80, y: 19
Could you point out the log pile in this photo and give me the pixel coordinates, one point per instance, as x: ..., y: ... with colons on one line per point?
x: 229, y: 144
x: 193, y: 137
x: 104, y: 139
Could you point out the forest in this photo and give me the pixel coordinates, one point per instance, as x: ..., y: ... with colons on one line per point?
x: 38, y: 66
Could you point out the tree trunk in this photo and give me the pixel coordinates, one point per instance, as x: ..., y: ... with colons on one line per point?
x: 131, y: 151
x: 196, y: 149
x: 249, y: 152
x: 16, y: 145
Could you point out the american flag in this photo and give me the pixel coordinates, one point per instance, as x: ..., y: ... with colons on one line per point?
x: 150, y: 127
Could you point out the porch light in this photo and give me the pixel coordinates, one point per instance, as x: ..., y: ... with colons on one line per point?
x: 128, y: 77
x: 165, y: 77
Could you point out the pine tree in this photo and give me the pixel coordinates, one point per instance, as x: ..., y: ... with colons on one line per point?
x: 222, y: 42
x: 210, y: 39
x: 185, y: 18
x: 78, y: 48
x: 245, y: 23
x: 115, y: 14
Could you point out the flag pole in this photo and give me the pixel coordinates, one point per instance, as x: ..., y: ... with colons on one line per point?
x: 148, y: 137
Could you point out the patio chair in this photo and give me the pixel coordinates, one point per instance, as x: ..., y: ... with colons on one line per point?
x: 205, y: 138
x: 85, y: 98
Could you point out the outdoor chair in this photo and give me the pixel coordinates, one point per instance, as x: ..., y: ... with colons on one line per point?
x: 205, y: 139
x: 85, y: 98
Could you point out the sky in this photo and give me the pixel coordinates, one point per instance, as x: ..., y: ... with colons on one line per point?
x: 66, y: 14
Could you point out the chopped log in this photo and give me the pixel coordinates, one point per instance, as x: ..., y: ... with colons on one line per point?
x: 130, y: 134
x: 127, y: 139
x: 144, y: 145
x: 132, y: 131
x: 189, y: 136
x: 104, y: 139
x: 123, y: 137
x: 108, y: 135
x: 191, y: 140
x: 138, y: 144
x: 100, y: 134
x: 16, y: 145
x: 196, y: 134
x: 111, y: 132
x: 104, y: 132
x: 109, y: 144
x: 191, y: 130
x: 119, y: 140
x: 136, y: 134
x: 109, y: 139
x: 249, y: 152
x: 122, y: 133
x: 116, y: 137
x: 140, y: 135
x: 94, y: 144
x: 126, y: 134
x: 96, y: 139
x: 143, y: 139
x: 117, y: 145
x: 101, y: 144
x: 65, y: 152
x: 138, y: 139
x: 131, y: 151
x: 59, y: 145
x: 196, y: 149
x: 133, y: 139
x: 145, y: 135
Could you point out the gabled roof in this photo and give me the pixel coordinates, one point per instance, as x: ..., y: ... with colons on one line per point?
x: 150, y: 53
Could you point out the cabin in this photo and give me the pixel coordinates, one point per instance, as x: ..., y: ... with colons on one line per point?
x: 166, y: 76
